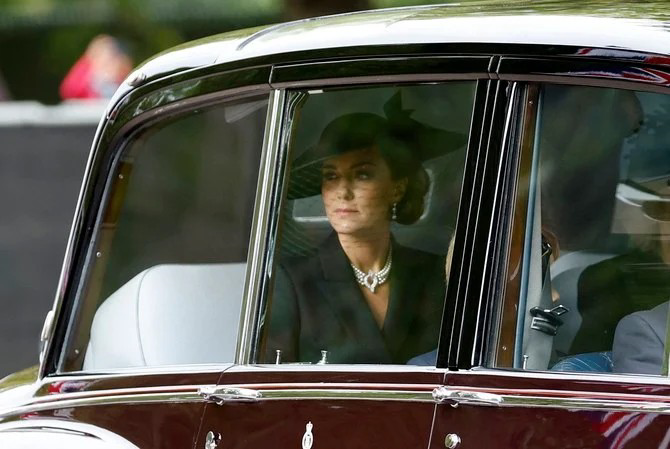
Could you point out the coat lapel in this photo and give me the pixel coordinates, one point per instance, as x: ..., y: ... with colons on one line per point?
x: 345, y: 299
x: 403, y: 300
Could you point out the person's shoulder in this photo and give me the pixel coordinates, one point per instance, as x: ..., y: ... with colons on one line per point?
x: 418, y: 258
x: 656, y: 317
x: 299, y: 262
x: 653, y: 319
x: 415, y: 253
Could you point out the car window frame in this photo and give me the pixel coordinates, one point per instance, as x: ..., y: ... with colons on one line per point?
x: 294, y: 79
x: 528, y: 74
x: 144, y: 108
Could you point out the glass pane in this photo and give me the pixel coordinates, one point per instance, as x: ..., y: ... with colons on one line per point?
x: 373, y: 192
x: 596, y: 280
x: 168, y: 268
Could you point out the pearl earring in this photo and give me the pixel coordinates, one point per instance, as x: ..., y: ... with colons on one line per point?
x: 394, y: 212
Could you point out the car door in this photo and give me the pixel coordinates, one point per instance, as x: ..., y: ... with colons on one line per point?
x: 351, y: 394
x: 153, y: 283
x: 571, y: 312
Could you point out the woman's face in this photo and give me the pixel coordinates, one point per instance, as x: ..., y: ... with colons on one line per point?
x: 358, y: 192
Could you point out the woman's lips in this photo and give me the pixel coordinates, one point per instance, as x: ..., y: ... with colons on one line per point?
x: 342, y: 210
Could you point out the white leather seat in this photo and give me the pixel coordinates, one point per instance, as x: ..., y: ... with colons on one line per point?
x: 169, y: 315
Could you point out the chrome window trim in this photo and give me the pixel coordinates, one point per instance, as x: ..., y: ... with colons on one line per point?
x: 380, y: 79
x: 379, y: 70
x: 259, y: 244
x: 136, y: 371
x: 581, y: 80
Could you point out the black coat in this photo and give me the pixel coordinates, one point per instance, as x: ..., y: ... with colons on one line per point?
x: 318, y: 305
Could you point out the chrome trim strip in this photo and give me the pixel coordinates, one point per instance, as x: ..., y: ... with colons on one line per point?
x: 581, y: 80
x: 585, y: 404
x: 570, y: 399
x: 261, y: 222
x: 137, y: 371
x: 56, y: 397
x: 381, y: 79
x: 352, y: 394
x: 576, y: 403
x: 629, y: 379
x: 68, y: 258
x: 105, y: 397
x: 311, y: 391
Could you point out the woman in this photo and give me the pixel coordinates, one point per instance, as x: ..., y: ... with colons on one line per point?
x: 363, y: 298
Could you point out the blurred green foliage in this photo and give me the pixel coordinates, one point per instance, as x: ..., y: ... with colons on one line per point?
x: 41, y: 39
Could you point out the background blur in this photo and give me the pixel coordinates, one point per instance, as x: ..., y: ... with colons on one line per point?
x: 59, y: 61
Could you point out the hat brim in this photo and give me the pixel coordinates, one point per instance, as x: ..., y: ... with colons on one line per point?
x: 412, y: 141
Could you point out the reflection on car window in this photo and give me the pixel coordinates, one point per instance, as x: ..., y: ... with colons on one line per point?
x: 600, y: 197
x: 370, y: 210
x: 170, y: 254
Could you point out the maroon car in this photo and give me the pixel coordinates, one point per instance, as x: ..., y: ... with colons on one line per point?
x: 440, y: 226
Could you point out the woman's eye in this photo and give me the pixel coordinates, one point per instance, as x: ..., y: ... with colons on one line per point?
x: 329, y: 176
x: 364, y: 174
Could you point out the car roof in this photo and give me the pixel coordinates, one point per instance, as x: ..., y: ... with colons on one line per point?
x: 642, y: 27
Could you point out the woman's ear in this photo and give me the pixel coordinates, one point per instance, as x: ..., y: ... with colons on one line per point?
x: 399, y: 189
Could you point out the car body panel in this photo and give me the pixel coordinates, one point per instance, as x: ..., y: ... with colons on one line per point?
x: 369, y: 407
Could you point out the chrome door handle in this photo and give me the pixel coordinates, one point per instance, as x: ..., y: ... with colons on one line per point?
x: 457, y: 397
x: 219, y: 395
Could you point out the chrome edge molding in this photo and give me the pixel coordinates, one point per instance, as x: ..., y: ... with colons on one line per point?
x: 142, y: 398
x: 50, y: 426
x: 364, y: 395
x: 258, y: 244
x: 605, y: 405
x: 68, y: 257
x: 225, y: 394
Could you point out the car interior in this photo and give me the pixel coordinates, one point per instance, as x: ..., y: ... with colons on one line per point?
x: 604, y: 263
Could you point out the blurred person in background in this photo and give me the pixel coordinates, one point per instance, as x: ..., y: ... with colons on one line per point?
x: 98, y: 72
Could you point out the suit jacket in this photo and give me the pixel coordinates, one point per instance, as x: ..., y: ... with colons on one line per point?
x: 318, y: 305
x: 614, y: 288
x: 639, y: 341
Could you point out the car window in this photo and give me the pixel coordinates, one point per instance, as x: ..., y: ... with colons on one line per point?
x: 373, y: 189
x: 594, y: 210
x: 167, y: 269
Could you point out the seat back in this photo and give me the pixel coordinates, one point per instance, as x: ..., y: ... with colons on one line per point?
x: 169, y: 315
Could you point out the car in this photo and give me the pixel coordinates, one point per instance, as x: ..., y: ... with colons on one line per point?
x: 214, y: 290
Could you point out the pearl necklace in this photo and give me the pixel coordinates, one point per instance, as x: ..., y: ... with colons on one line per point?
x: 371, y: 279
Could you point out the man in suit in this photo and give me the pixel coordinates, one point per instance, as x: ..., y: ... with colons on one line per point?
x: 639, y: 341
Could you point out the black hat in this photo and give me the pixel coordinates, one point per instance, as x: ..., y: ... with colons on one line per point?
x: 397, y: 136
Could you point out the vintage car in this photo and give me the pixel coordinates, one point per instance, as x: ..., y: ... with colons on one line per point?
x: 214, y: 292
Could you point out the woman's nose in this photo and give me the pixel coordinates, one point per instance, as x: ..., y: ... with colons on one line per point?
x: 344, y: 189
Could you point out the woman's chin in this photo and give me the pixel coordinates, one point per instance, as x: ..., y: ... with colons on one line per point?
x: 361, y: 232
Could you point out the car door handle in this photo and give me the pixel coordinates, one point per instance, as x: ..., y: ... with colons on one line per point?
x: 457, y: 397
x: 219, y: 395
